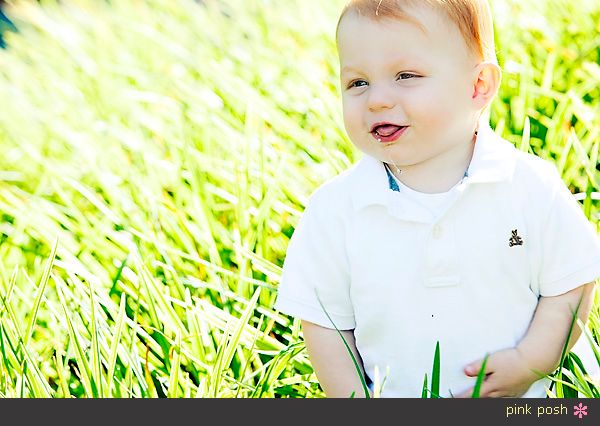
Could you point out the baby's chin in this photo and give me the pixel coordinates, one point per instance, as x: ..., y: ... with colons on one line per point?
x: 387, y: 155
x: 406, y: 155
x: 381, y: 155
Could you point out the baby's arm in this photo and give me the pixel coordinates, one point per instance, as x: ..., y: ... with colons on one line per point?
x: 332, y: 362
x: 510, y: 372
x: 543, y: 343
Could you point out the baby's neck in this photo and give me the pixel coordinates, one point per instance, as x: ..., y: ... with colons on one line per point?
x: 438, y: 174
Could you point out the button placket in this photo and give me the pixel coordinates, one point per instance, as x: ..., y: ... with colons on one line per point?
x: 437, y: 231
x: 441, y: 269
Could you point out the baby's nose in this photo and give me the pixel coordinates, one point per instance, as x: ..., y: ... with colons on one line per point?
x: 380, y: 97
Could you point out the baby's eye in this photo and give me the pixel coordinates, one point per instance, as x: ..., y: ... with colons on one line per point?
x: 405, y: 76
x: 357, y: 83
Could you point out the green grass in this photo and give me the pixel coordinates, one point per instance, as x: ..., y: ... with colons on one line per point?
x: 156, y: 156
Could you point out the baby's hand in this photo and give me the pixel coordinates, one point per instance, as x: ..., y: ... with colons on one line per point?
x: 507, y: 375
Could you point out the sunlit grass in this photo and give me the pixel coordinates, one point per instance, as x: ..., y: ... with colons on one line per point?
x: 156, y: 156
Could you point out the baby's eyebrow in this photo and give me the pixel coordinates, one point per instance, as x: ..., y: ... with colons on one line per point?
x: 349, y: 69
x: 400, y: 63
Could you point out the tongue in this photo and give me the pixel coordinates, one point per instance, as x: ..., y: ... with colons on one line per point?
x: 387, y: 130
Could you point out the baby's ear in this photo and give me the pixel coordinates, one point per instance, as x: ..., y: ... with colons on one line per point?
x: 486, y: 83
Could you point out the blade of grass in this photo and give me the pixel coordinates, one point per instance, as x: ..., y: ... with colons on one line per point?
x: 435, y: 373
x: 376, y: 383
x: 593, y: 344
x: 6, y: 298
x: 249, y: 359
x: 232, y: 342
x: 62, y: 380
x: 525, y: 139
x: 84, y: 368
x: 356, y: 366
x: 116, y: 341
x: 39, y: 387
x: 560, y: 391
x: 40, y: 294
x: 275, y: 367
x: 173, y: 386
x: 480, y: 378
x: 95, y: 348
x: 580, y: 373
x: 584, y: 159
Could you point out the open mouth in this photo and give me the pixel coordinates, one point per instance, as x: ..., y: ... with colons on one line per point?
x: 387, y: 132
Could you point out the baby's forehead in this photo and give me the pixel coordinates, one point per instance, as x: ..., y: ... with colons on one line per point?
x: 428, y: 29
x: 422, y: 18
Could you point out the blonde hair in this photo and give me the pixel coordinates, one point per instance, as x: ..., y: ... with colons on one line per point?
x: 472, y: 17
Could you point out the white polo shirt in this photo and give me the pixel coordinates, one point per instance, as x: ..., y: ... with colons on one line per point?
x: 468, y: 277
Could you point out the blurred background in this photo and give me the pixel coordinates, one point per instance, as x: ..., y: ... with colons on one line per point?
x: 155, y: 156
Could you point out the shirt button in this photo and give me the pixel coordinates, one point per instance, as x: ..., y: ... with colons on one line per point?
x: 437, y: 232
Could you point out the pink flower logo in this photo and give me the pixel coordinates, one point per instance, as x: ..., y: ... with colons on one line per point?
x: 580, y: 410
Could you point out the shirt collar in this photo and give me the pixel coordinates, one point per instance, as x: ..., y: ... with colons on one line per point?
x: 493, y: 161
x: 393, y: 181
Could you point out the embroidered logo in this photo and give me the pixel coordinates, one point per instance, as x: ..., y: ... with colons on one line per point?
x: 515, y: 240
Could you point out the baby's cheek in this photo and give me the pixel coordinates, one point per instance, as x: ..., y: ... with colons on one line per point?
x: 439, y: 112
x: 346, y: 113
x: 352, y: 120
x: 428, y: 100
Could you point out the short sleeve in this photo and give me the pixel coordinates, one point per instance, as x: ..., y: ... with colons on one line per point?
x: 570, y: 251
x: 316, y: 268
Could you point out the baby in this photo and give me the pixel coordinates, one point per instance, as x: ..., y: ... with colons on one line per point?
x: 443, y: 231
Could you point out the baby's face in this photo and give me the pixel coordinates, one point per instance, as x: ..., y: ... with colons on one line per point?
x: 419, y: 81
